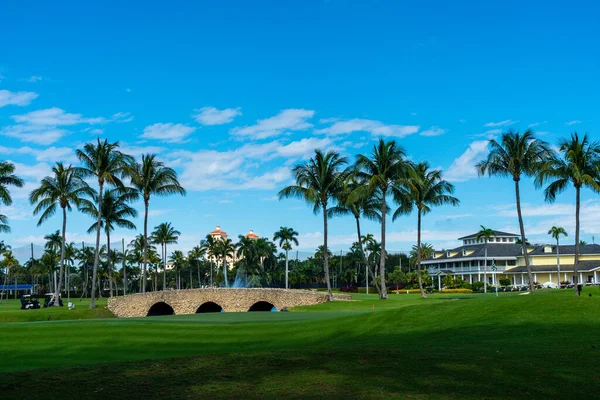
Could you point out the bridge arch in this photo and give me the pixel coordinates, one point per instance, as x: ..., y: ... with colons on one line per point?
x: 160, y: 308
x: 209, y: 307
x: 262, y: 306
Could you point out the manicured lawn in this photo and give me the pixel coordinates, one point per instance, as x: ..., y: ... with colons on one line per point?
x: 467, y: 346
x: 11, y: 312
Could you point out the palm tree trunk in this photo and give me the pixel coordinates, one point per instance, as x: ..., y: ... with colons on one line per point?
x: 286, y: 268
x: 523, y: 241
x: 124, y: 269
x: 576, y: 261
x: 199, y: 281
x: 325, y: 253
x: 145, y: 245
x: 423, y: 295
x: 225, y: 271
x: 108, y: 261
x: 164, y: 266
x: 383, y: 257
x: 558, y: 261
x: 62, y: 257
x: 97, y: 252
x: 367, y: 267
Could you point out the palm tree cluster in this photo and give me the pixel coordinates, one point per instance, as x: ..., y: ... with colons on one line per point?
x: 577, y: 164
x: 121, y: 181
x: 365, y: 189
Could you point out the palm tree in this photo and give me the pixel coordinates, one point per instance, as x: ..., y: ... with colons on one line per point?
x: 317, y: 183
x: 517, y: 155
x: 8, y: 261
x: 486, y: 234
x: 286, y: 237
x: 365, y: 205
x: 106, y: 163
x: 224, y: 248
x: 165, y: 234
x: 423, y: 188
x: 426, y: 252
x: 577, y: 166
x: 150, y: 178
x: 380, y: 172
x: 195, y: 254
x: 115, y: 212
x: 247, y: 248
x: 63, y: 188
x: 178, y: 259
x: 556, y: 232
x: 209, y: 247
x: 7, y: 178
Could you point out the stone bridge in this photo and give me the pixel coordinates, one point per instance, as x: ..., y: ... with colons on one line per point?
x: 193, y: 301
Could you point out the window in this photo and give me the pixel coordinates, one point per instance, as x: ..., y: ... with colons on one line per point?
x: 511, y: 262
x: 503, y: 240
x: 511, y: 240
x: 491, y: 240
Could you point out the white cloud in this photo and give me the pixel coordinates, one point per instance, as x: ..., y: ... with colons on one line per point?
x: 121, y: 117
x: 55, y: 117
x: 235, y: 169
x: 50, y: 154
x: 304, y: 148
x: 16, y: 98
x: 576, y: 121
x: 287, y: 120
x: 43, y: 135
x: 506, y: 122
x: 433, y: 131
x: 34, y: 172
x: 136, y: 151
x: 97, y: 131
x: 34, y: 79
x: 463, y: 168
x: 375, y: 128
x: 536, y: 124
x: 489, y: 134
x: 171, y: 133
x: 214, y: 116
x: 17, y: 212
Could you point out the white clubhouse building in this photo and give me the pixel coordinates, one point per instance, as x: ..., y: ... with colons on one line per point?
x: 505, y: 260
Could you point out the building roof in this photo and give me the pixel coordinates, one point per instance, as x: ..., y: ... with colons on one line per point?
x: 497, y: 233
x: 583, y: 266
x: 251, y: 235
x: 566, y: 250
x: 218, y: 232
x: 478, y: 251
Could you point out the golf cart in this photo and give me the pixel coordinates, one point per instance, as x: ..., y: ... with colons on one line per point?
x: 49, y: 300
x: 29, y: 302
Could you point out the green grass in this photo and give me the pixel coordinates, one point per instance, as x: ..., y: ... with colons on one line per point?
x: 467, y: 346
x: 11, y: 312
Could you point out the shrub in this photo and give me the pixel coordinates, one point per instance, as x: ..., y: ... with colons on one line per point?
x: 460, y: 290
x: 505, y: 282
x: 477, y: 286
x: 405, y: 291
x: 349, y: 289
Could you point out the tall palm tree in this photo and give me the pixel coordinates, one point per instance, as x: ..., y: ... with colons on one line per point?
x: 317, y: 183
x: 151, y: 178
x: 7, y: 178
x: 423, y: 189
x: 53, y: 241
x: 8, y: 261
x: 386, y: 164
x: 515, y: 156
x: 165, y: 234
x: 194, y: 255
x: 209, y: 247
x: 224, y: 248
x: 63, y: 188
x: 179, y: 260
x: 247, y: 248
x: 103, y: 161
x: 486, y: 234
x: 577, y: 166
x: 286, y: 237
x: 115, y: 212
x: 556, y: 232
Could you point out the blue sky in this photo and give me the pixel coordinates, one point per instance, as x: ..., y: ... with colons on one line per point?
x: 233, y: 94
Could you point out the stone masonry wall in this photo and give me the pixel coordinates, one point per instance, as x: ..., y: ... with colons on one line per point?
x: 231, y: 300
